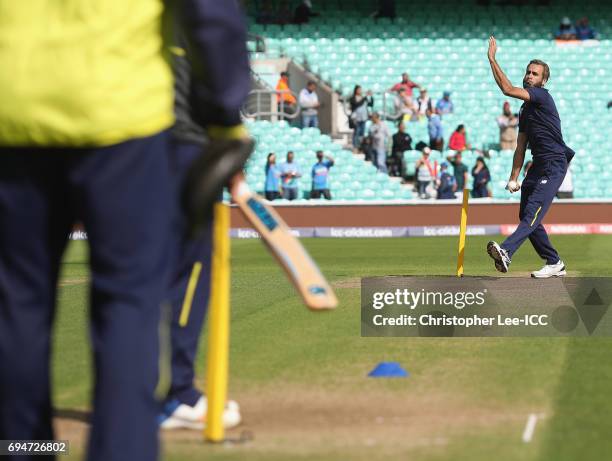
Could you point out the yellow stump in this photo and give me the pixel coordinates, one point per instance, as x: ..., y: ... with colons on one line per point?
x: 462, y: 229
x: 217, y: 361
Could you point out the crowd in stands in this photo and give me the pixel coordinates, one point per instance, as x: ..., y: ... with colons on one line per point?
x: 282, y: 180
x: 431, y: 179
x: 436, y: 181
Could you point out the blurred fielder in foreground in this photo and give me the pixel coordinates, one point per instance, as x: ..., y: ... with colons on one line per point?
x: 83, y: 136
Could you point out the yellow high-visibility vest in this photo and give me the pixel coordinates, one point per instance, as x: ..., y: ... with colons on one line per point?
x: 82, y: 72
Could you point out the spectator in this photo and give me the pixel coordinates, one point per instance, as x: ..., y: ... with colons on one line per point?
x: 425, y: 173
x: 272, y: 188
x: 287, y: 103
x: 566, y: 190
x: 436, y: 133
x: 445, y: 105
x: 359, y: 113
x: 406, y: 84
x: 405, y: 108
x: 401, y: 143
x: 309, y: 103
x: 446, y: 183
x: 423, y: 103
x: 457, y: 140
x: 609, y: 104
x: 508, y: 128
x: 583, y: 30
x: 386, y: 9
x: 290, y: 171
x: 320, y: 176
x: 379, y: 134
x: 460, y: 170
x: 481, y: 176
x: 566, y: 31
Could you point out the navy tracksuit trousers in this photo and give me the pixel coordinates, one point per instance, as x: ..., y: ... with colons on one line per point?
x: 189, y: 304
x: 537, y: 192
x: 122, y: 194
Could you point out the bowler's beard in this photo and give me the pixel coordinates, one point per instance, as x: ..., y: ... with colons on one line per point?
x: 528, y: 85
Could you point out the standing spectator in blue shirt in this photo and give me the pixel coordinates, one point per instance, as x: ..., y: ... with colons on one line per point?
x: 445, y: 105
x: 481, y: 176
x: 320, y: 174
x: 583, y: 30
x: 273, y: 174
x: 290, y: 171
x: 436, y: 133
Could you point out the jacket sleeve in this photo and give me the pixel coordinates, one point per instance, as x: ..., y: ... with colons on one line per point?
x: 216, y: 31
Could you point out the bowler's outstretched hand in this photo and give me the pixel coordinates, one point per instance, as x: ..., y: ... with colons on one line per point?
x: 492, y: 48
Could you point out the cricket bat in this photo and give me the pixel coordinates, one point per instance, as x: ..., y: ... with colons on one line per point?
x: 297, y: 263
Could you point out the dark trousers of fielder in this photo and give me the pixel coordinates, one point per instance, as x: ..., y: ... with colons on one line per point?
x: 537, y: 192
x: 190, y: 288
x: 122, y: 195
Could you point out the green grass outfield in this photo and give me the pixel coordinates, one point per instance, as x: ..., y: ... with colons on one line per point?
x: 300, y: 377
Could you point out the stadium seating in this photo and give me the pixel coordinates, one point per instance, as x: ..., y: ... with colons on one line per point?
x: 448, y: 52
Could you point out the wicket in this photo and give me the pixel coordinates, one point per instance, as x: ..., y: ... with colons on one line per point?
x: 217, y: 361
x: 462, y: 230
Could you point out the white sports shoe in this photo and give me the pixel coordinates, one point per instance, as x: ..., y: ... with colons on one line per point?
x: 550, y: 270
x: 181, y: 416
x: 499, y: 255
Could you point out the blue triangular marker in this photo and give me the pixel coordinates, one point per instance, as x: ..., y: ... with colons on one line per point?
x: 388, y: 370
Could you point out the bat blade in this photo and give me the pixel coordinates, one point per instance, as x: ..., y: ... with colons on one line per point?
x: 303, y: 272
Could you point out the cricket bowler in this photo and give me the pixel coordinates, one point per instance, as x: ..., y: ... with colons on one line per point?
x: 540, y: 129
